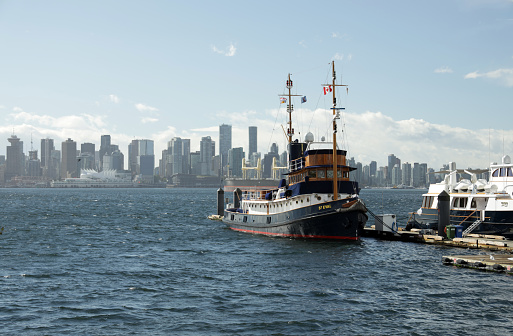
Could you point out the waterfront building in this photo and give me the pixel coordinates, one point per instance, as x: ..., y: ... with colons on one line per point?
x: 15, y: 158
x: 69, y: 166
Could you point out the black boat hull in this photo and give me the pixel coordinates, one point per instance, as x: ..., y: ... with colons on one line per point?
x: 343, y: 219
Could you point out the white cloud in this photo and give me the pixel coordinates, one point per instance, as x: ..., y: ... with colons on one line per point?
x: 443, y: 69
x: 230, y: 51
x: 367, y: 136
x: 149, y: 120
x: 145, y: 108
x: 114, y: 99
x: 341, y: 57
x: 503, y: 75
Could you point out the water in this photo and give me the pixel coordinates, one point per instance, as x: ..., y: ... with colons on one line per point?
x: 147, y: 261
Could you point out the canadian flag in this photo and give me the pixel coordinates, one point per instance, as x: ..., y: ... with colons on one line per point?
x: 327, y: 89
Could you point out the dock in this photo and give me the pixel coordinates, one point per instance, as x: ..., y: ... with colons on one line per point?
x: 493, y: 262
x: 472, y: 241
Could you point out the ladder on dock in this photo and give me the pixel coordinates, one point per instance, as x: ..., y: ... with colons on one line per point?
x: 472, y: 227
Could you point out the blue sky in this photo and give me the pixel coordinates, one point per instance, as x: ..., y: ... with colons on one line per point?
x: 429, y: 81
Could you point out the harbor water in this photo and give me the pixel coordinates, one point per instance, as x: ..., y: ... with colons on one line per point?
x: 149, y: 262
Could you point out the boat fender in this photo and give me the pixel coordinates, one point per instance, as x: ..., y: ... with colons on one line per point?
x: 461, y: 262
x: 498, y: 267
x: 447, y: 261
x: 479, y: 264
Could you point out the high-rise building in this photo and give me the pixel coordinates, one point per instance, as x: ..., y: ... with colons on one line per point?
x: 392, y: 161
x: 105, y: 148
x: 33, y: 165
x: 235, y: 157
x: 86, y: 160
x: 175, y: 152
x: 195, y: 163
x: 373, y: 166
x: 15, y: 161
x: 396, y: 175
x: 186, y: 153
x: 69, y: 166
x: 253, y: 139
x: 225, y: 143
x: 206, y: 155
x: 46, y: 151
x: 274, y: 148
x: 406, y: 174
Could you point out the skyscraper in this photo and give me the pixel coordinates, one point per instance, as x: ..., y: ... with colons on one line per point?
x: 175, y: 151
x: 225, y: 142
x: 69, y: 159
x: 105, y: 148
x: 252, y: 140
x: 235, y: 157
x: 46, y: 151
x: 86, y: 159
x: 15, y: 158
x: 206, y: 155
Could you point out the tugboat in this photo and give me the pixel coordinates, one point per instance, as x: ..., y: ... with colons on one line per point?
x: 316, y: 200
x: 480, y: 206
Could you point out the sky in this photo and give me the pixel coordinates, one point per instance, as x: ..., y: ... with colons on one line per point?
x: 429, y: 81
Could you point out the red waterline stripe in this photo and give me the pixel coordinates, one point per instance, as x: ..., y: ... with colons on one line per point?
x: 295, y: 235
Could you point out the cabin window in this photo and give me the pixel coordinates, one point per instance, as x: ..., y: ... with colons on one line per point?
x: 473, y: 204
x: 460, y: 202
x: 329, y: 173
x: 268, y: 220
x: 245, y: 219
x: 312, y: 173
x: 339, y: 173
x: 346, y: 174
x: 427, y: 202
x: 321, y: 173
x: 495, y: 173
x: 510, y: 173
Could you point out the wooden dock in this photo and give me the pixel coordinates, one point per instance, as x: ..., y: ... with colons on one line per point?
x: 492, y: 262
x: 472, y: 241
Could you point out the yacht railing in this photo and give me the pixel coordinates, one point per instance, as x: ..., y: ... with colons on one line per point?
x: 297, y: 164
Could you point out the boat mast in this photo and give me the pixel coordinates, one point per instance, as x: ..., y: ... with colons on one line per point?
x: 336, y: 115
x: 290, y: 108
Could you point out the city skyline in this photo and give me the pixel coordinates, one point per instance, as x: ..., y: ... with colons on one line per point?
x: 424, y: 91
x: 274, y: 148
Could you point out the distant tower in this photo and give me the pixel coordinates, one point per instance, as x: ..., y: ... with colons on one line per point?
x: 252, y: 140
x: 105, y: 148
x: 69, y: 166
x: 15, y: 159
x: 87, y: 160
x: 235, y: 157
x: 225, y: 143
x: 206, y: 156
